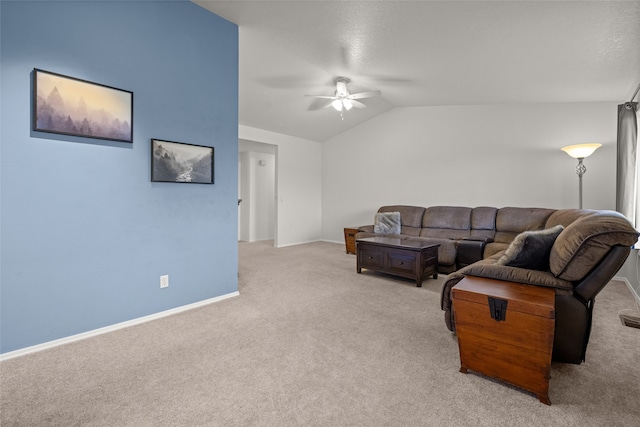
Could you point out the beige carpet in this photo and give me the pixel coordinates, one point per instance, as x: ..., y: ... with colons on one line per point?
x: 311, y: 343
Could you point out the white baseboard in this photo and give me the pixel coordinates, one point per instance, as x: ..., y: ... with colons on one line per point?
x: 257, y: 240
x: 340, y: 242
x: 111, y: 328
x: 633, y: 291
x: 301, y: 243
x: 297, y: 243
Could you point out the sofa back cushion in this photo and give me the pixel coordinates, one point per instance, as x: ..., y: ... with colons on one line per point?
x: 512, y: 221
x: 565, y: 217
x: 410, y: 218
x: 584, y: 242
x: 447, y: 222
x: 483, y: 222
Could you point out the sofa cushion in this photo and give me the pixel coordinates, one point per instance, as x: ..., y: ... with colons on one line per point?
x: 410, y: 216
x: 512, y: 221
x: 444, y: 233
x: 531, y: 249
x: 494, y: 248
x: 446, y: 222
x: 448, y: 217
x: 582, y: 245
x: 410, y: 231
x: 566, y: 216
x: 387, y: 223
x: 483, y: 218
x: 447, y: 251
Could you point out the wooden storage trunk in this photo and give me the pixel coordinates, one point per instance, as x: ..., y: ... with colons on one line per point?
x: 516, y: 350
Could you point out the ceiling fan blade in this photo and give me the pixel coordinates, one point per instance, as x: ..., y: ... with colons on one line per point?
x: 357, y: 104
x: 322, y: 96
x: 319, y: 104
x: 365, y: 94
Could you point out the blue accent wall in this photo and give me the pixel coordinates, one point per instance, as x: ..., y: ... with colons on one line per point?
x: 85, y: 235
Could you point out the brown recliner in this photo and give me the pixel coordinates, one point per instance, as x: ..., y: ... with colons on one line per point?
x: 584, y: 258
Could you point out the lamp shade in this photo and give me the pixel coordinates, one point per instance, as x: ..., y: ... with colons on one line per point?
x: 580, y: 151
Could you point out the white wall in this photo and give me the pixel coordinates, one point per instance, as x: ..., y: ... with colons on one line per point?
x: 500, y: 155
x: 298, y: 185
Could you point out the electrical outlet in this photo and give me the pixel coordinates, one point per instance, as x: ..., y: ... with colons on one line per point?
x: 164, y: 281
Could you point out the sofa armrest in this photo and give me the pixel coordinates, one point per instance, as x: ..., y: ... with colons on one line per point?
x: 590, y: 286
x: 469, y: 251
x: 518, y: 275
x: 445, y: 299
x: 487, y: 268
x: 366, y: 228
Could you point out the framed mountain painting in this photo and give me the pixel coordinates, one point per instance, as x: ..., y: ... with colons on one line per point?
x: 71, y: 106
x: 180, y: 162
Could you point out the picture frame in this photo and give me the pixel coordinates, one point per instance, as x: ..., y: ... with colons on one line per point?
x: 71, y: 106
x: 181, y: 162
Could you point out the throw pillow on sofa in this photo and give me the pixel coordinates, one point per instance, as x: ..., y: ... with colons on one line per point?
x: 387, y: 223
x: 531, y: 249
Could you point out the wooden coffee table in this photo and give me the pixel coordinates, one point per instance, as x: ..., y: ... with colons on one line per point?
x: 412, y: 259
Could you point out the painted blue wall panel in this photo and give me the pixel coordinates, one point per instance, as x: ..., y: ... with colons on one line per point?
x: 84, y: 234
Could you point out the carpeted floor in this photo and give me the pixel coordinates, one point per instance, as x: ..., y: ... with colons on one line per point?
x: 311, y: 343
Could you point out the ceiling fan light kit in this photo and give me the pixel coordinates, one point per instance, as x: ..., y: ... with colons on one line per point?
x: 343, y: 100
x: 339, y: 104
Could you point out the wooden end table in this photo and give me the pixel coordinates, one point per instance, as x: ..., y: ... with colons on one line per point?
x: 413, y: 259
x: 350, y: 239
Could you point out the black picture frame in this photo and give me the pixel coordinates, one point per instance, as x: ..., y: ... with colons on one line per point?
x: 70, y: 106
x: 181, y: 162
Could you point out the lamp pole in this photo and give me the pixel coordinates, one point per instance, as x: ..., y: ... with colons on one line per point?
x: 581, y: 169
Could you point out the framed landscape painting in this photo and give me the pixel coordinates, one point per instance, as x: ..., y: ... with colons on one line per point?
x: 180, y: 162
x: 70, y: 106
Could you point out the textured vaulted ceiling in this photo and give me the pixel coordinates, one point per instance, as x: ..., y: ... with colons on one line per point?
x: 426, y: 53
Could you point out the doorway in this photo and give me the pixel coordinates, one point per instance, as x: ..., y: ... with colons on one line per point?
x: 257, y: 213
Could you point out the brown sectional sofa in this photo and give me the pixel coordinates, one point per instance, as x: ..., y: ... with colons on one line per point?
x: 494, y: 228
x: 583, y: 259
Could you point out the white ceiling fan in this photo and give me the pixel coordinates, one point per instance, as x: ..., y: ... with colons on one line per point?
x: 343, y: 100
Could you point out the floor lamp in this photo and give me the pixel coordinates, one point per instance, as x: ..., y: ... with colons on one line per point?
x: 580, y: 151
